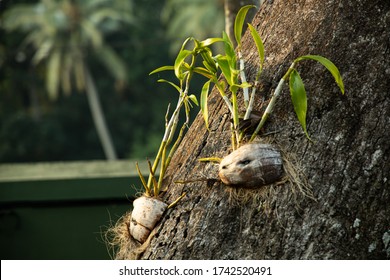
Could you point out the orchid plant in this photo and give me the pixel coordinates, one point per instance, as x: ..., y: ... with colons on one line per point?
x: 227, y: 72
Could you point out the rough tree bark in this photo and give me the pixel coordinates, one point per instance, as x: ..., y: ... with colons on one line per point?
x: 346, y: 166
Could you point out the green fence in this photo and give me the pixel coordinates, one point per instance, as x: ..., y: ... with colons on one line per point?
x: 61, y: 210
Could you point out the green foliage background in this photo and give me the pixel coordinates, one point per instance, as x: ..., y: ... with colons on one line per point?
x: 33, y: 128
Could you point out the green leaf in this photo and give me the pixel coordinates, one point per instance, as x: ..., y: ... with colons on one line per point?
x: 299, y: 98
x: 147, y: 189
x: 22, y: 16
x: 185, y: 43
x: 210, y: 41
x: 91, y: 31
x: 208, y: 61
x: 239, y: 22
x: 244, y: 85
x: 162, y: 68
x: 204, y: 72
x: 112, y: 14
x: 232, y: 73
x: 229, y: 51
x: 113, y: 62
x: 223, y: 64
x: 43, y: 51
x: 53, y: 74
x: 79, y: 73
x: 66, y: 71
x: 193, y: 98
x: 203, y: 103
x: 234, y: 88
x: 329, y: 65
x: 259, y: 44
x: 180, y: 59
x: 172, y: 84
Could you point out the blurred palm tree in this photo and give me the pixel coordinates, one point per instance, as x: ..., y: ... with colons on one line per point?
x: 196, y: 18
x: 202, y: 18
x: 64, y: 33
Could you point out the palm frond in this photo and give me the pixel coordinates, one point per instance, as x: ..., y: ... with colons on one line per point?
x: 62, y: 30
x: 91, y: 33
x: 53, y: 74
x: 113, y: 62
x: 43, y: 50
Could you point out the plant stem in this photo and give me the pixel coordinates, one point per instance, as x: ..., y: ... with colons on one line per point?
x: 251, y: 101
x: 176, y: 144
x: 177, y: 200
x: 147, y: 189
x: 271, y: 104
x: 221, y: 90
x: 233, y: 137
x: 243, y: 79
x: 235, y: 109
x: 228, y: 103
x: 165, y: 164
x: 250, y: 107
x: 169, y: 132
x: 211, y: 159
x: 170, y: 129
x: 156, y: 163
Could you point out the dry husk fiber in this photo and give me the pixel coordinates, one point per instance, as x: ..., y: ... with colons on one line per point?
x: 294, y: 178
x: 120, y: 243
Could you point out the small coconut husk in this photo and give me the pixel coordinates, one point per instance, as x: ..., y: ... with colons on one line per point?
x: 120, y: 244
x: 147, y: 212
x: 252, y: 165
x: 293, y: 177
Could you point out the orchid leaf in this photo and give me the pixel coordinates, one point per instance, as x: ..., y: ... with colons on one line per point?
x: 239, y: 22
x: 299, y: 98
x: 204, y: 72
x: 172, y: 84
x: 180, y: 59
x: 223, y: 64
x: 259, y: 44
x: 193, y: 98
x: 328, y: 65
x: 162, y: 68
x: 203, y: 103
x: 210, y: 41
x: 208, y: 61
x: 229, y: 51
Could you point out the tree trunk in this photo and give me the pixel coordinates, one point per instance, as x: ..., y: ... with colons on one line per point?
x: 98, y: 118
x: 346, y: 164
